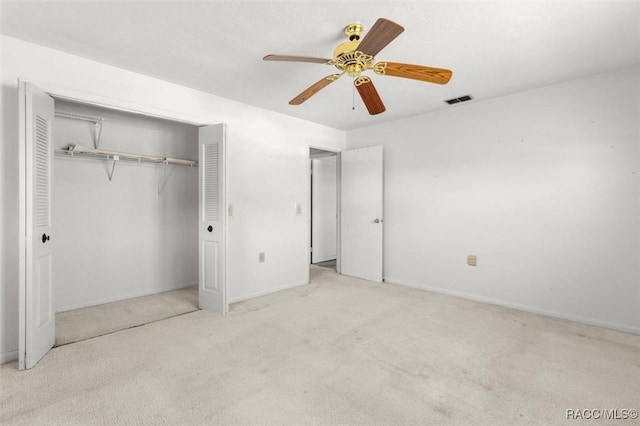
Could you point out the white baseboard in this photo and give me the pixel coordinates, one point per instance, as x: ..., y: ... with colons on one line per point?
x: 119, y: 298
x: 265, y: 292
x: 511, y: 305
x: 8, y: 357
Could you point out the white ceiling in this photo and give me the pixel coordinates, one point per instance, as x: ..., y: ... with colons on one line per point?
x: 494, y: 48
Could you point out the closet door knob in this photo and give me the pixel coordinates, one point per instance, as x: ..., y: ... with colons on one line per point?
x: 210, y: 228
x: 45, y: 238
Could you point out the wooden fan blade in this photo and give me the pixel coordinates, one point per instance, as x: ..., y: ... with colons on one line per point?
x: 313, y: 89
x: 381, y: 34
x: 291, y: 58
x: 415, y: 72
x: 369, y: 95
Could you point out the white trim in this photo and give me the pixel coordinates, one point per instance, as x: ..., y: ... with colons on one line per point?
x: 309, y: 207
x: 67, y: 94
x: 22, y: 220
x: 339, y: 213
x: 323, y: 147
x: 517, y: 306
x: 225, y: 217
x: 8, y: 357
x: 265, y: 292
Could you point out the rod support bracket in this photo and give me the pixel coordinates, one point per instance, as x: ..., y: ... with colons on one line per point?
x: 115, y: 159
x: 98, y: 131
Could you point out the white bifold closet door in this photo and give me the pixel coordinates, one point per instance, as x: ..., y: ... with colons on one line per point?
x: 37, y: 317
x: 212, y: 219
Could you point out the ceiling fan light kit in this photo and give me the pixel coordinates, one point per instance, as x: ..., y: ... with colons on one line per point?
x: 356, y: 56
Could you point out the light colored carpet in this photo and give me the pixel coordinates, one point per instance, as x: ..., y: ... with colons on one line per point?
x: 336, y: 351
x: 85, y: 323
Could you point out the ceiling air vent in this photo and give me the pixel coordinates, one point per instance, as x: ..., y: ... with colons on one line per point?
x: 460, y: 99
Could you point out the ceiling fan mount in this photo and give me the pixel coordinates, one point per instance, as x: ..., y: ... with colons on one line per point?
x: 356, y: 56
x: 354, y: 31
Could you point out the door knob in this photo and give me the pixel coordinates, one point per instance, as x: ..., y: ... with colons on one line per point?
x: 376, y: 221
x: 45, y: 238
x: 210, y: 228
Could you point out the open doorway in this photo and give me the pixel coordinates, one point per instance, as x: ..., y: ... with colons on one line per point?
x: 346, y: 221
x: 323, y: 221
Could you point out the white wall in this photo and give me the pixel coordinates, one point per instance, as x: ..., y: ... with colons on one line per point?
x: 116, y: 240
x: 267, y: 162
x: 543, y: 186
x: 323, y: 205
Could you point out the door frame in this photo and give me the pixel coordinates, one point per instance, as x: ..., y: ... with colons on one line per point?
x: 309, y: 189
x: 64, y: 93
x: 22, y: 219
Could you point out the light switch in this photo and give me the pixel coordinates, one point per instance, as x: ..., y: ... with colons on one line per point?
x: 472, y: 260
x: 230, y: 210
x: 298, y: 208
x: 261, y: 257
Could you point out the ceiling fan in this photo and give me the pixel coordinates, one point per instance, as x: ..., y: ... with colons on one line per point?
x: 356, y: 56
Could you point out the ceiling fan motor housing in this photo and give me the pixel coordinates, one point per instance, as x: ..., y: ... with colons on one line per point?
x: 347, y: 58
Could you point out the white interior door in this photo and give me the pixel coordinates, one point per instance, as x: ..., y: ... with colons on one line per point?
x: 361, y: 213
x: 37, y: 316
x: 323, y: 209
x: 212, y: 219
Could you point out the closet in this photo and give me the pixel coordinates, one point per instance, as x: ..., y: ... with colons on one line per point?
x: 126, y: 208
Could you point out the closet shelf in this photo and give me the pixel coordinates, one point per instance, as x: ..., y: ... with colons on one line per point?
x: 97, y: 123
x: 79, y: 151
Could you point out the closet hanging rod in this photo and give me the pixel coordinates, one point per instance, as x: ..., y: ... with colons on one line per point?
x: 76, y: 116
x: 83, y: 151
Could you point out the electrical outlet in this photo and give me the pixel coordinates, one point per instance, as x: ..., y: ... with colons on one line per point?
x: 261, y: 257
x: 472, y: 260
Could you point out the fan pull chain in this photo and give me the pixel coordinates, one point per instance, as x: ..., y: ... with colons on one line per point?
x: 353, y: 97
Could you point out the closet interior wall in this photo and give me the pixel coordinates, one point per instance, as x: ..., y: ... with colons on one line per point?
x: 135, y: 234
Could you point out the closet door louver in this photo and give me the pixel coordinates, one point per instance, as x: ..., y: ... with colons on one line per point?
x: 212, y: 181
x: 42, y: 213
